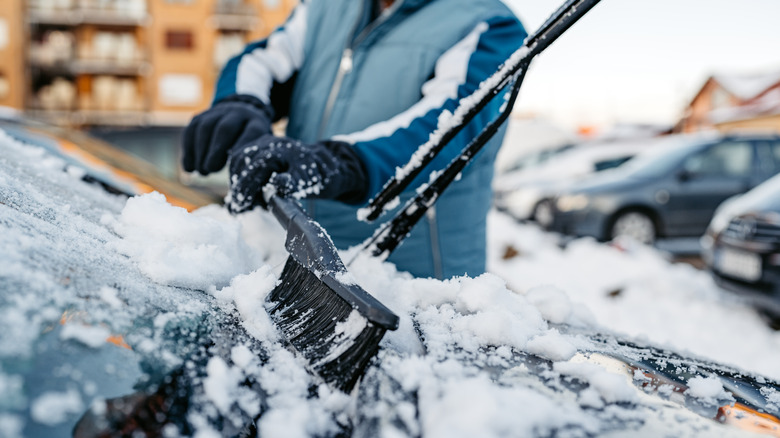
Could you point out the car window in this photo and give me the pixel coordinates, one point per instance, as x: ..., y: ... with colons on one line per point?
x: 610, y: 164
x: 775, y: 145
x: 722, y: 159
x: 657, y: 162
x: 768, y: 157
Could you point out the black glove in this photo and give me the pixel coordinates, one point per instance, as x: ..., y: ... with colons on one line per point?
x: 327, y: 170
x: 210, y: 135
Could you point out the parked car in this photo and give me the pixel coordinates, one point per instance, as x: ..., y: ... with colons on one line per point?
x: 526, y: 192
x: 742, y: 247
x: 534, y: 158
x: 103, y: 163
x: 93, y: 347
x: 161, y: 146
x: 669, y: 191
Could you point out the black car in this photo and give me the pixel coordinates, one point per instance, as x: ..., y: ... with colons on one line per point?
x: 670, y: 191
x: 742, y: 247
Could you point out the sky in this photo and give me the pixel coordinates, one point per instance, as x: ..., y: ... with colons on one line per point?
x: 643, y: 60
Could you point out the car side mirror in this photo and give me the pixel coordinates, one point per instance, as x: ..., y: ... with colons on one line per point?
x: 684, y: 175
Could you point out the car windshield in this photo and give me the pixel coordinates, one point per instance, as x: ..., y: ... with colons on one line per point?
x: 659, y: 160
x: 765, y: 196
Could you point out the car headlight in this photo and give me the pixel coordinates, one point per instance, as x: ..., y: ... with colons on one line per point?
x: 571, y: 203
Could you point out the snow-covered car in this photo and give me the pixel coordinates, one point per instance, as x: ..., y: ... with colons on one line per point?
x: 526, y: 192
x: 669, y: 191
x: 102, y: 163
x: 742, y: 246
x: 133, y: 317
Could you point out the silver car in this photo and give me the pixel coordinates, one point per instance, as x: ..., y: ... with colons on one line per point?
x: 670, y: 191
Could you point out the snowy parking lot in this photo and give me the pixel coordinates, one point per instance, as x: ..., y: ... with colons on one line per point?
x: 637, y: 291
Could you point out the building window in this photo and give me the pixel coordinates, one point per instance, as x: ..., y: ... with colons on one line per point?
x: 180, y: 90
x: 5, y: 34
x: 179, y: 40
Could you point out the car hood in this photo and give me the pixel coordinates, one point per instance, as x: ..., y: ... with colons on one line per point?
x: 764, y: 198
x: 763, y: 201
x: 111, y: 328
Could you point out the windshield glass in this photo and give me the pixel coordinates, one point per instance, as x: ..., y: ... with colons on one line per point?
x: 659, y: 160
x: 764, y: 196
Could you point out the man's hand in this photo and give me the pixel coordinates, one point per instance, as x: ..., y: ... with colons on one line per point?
x: 278, y: 165
x: 211, y: 134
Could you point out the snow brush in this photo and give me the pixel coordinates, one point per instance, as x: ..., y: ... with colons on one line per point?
x: 318, y: 306
x: 510, y: 74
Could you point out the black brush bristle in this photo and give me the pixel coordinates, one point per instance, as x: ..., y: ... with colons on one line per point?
x: 307, y: 311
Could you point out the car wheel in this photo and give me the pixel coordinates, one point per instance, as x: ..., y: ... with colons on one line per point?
x: 543, y: 213
x: 636, y: 225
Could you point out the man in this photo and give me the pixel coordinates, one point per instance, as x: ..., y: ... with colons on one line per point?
x: 363, y: 83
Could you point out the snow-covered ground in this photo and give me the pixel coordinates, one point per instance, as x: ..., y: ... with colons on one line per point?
x: 452, y: 369
x: 636, y: 290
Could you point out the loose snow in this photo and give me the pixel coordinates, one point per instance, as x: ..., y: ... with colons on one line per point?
x: 709, y: 390
x: 91, y: 336
x: 54, y: 407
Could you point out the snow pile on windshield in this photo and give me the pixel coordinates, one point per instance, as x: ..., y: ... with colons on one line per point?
x: 451, y: 333
x: 463, y: 313
x: 176, y: 248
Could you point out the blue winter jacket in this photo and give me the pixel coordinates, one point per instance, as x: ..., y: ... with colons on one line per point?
x: 380, y: 84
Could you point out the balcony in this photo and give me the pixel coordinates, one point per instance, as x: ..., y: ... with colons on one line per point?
x: 234, y: 15
x: 77, y: 17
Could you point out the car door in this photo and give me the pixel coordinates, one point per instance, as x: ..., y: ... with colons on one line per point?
x: 706, y: 178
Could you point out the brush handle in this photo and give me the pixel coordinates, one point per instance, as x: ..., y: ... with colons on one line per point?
x: 309, y: 244
x: 559, y: 22
x: 393, y: 232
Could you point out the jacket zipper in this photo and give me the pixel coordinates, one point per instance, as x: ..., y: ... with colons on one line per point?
x: 346, y: 64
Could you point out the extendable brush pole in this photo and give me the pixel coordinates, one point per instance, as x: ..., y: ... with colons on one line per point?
x: 555, y: 26
x: 392, y: 233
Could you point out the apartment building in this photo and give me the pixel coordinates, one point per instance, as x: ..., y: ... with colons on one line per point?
x: 88, y: 63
